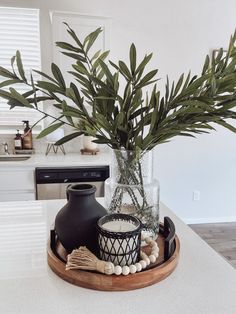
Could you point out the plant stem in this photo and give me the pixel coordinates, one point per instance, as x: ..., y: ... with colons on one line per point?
x: 130, y: 179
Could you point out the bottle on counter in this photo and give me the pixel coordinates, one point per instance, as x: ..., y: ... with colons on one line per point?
x: 18, y: 141
x: 27, y: 139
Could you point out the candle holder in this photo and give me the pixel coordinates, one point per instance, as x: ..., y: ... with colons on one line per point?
x: 119, y: 239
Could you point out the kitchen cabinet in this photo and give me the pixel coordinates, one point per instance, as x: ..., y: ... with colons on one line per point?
x: 17, y: 184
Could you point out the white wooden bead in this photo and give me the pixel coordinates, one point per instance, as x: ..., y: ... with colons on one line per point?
x: 143, y: 264
x: 109, y: 268
x: 118, y: 270
x: 148, y: 240
x: 152, y: 258
x: 154, y: 244
x: 155, y: 249
x: 155, y: 253
x: 125, y: 270
x: 138, y: 267
x: 132, y: 269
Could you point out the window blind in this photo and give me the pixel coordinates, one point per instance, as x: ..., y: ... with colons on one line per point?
x: 19, y: 30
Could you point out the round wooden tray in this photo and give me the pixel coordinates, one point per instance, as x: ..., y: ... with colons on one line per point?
x: 163, y: 267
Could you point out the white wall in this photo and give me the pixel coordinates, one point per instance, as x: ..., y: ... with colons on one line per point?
x: 180, y: 33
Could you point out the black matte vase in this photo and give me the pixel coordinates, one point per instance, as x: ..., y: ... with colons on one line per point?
x: 75, y: 223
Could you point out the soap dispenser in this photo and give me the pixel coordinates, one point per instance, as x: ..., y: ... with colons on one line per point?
x: 27, y: 139
x: 18, y: 141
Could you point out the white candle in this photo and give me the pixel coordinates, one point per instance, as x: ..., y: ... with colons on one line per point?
x: 117, y: 247
x: 119, y: 226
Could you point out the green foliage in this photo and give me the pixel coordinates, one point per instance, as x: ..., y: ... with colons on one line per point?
x: 127, y: 117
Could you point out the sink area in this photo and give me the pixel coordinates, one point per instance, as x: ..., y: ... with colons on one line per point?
x: 14, y: 157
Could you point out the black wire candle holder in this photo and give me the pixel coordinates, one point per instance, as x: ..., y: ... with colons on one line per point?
x: 121, y: 247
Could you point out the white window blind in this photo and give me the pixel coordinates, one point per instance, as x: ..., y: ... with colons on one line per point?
x: 19, y: 30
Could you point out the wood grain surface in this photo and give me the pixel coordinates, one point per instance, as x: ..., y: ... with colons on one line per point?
x: 221, y: 237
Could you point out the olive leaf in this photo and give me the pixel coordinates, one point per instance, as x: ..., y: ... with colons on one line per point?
x: 90, y: 39
x: 58, y: 76
x: 50, y: 129
x: 20, y: 66
x: 5, y: 73
x: 132, y: 57
x: 68, y: 138
x: 19, y: 98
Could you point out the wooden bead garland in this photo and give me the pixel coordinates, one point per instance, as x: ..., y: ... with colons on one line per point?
x: 82, y: 258
x: 143, y: 263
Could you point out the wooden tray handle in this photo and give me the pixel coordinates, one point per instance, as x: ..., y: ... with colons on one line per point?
x: 52, y: 237
x: 168, y: 231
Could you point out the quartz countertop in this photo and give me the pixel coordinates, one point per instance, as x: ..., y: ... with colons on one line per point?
x: 60, y: 160
x: 203, y: 282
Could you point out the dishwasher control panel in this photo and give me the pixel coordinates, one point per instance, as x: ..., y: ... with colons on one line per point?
x: 71, y: 174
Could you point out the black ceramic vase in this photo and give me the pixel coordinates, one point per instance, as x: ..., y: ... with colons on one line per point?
x: 75, y: 223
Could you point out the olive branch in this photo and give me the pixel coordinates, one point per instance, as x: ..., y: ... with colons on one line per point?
x: 126, y: 117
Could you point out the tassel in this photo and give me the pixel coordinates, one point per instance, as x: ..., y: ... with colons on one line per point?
x: 82, y: 258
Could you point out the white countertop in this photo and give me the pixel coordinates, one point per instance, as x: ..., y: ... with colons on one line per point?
x: 60, y: 160
x: 203, y: 282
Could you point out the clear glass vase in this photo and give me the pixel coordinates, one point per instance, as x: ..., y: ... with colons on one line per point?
x: 132, y: 190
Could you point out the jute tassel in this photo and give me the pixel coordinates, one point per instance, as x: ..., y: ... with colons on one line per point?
x: 82, y: 258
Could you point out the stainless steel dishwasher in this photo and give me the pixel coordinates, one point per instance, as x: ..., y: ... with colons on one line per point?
x: 51, y: 182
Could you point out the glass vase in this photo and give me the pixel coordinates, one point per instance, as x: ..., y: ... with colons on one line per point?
x: 132, y: 190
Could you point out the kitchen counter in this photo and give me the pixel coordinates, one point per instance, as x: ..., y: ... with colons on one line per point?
x: 60, y: 160
x: 203, y: 282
